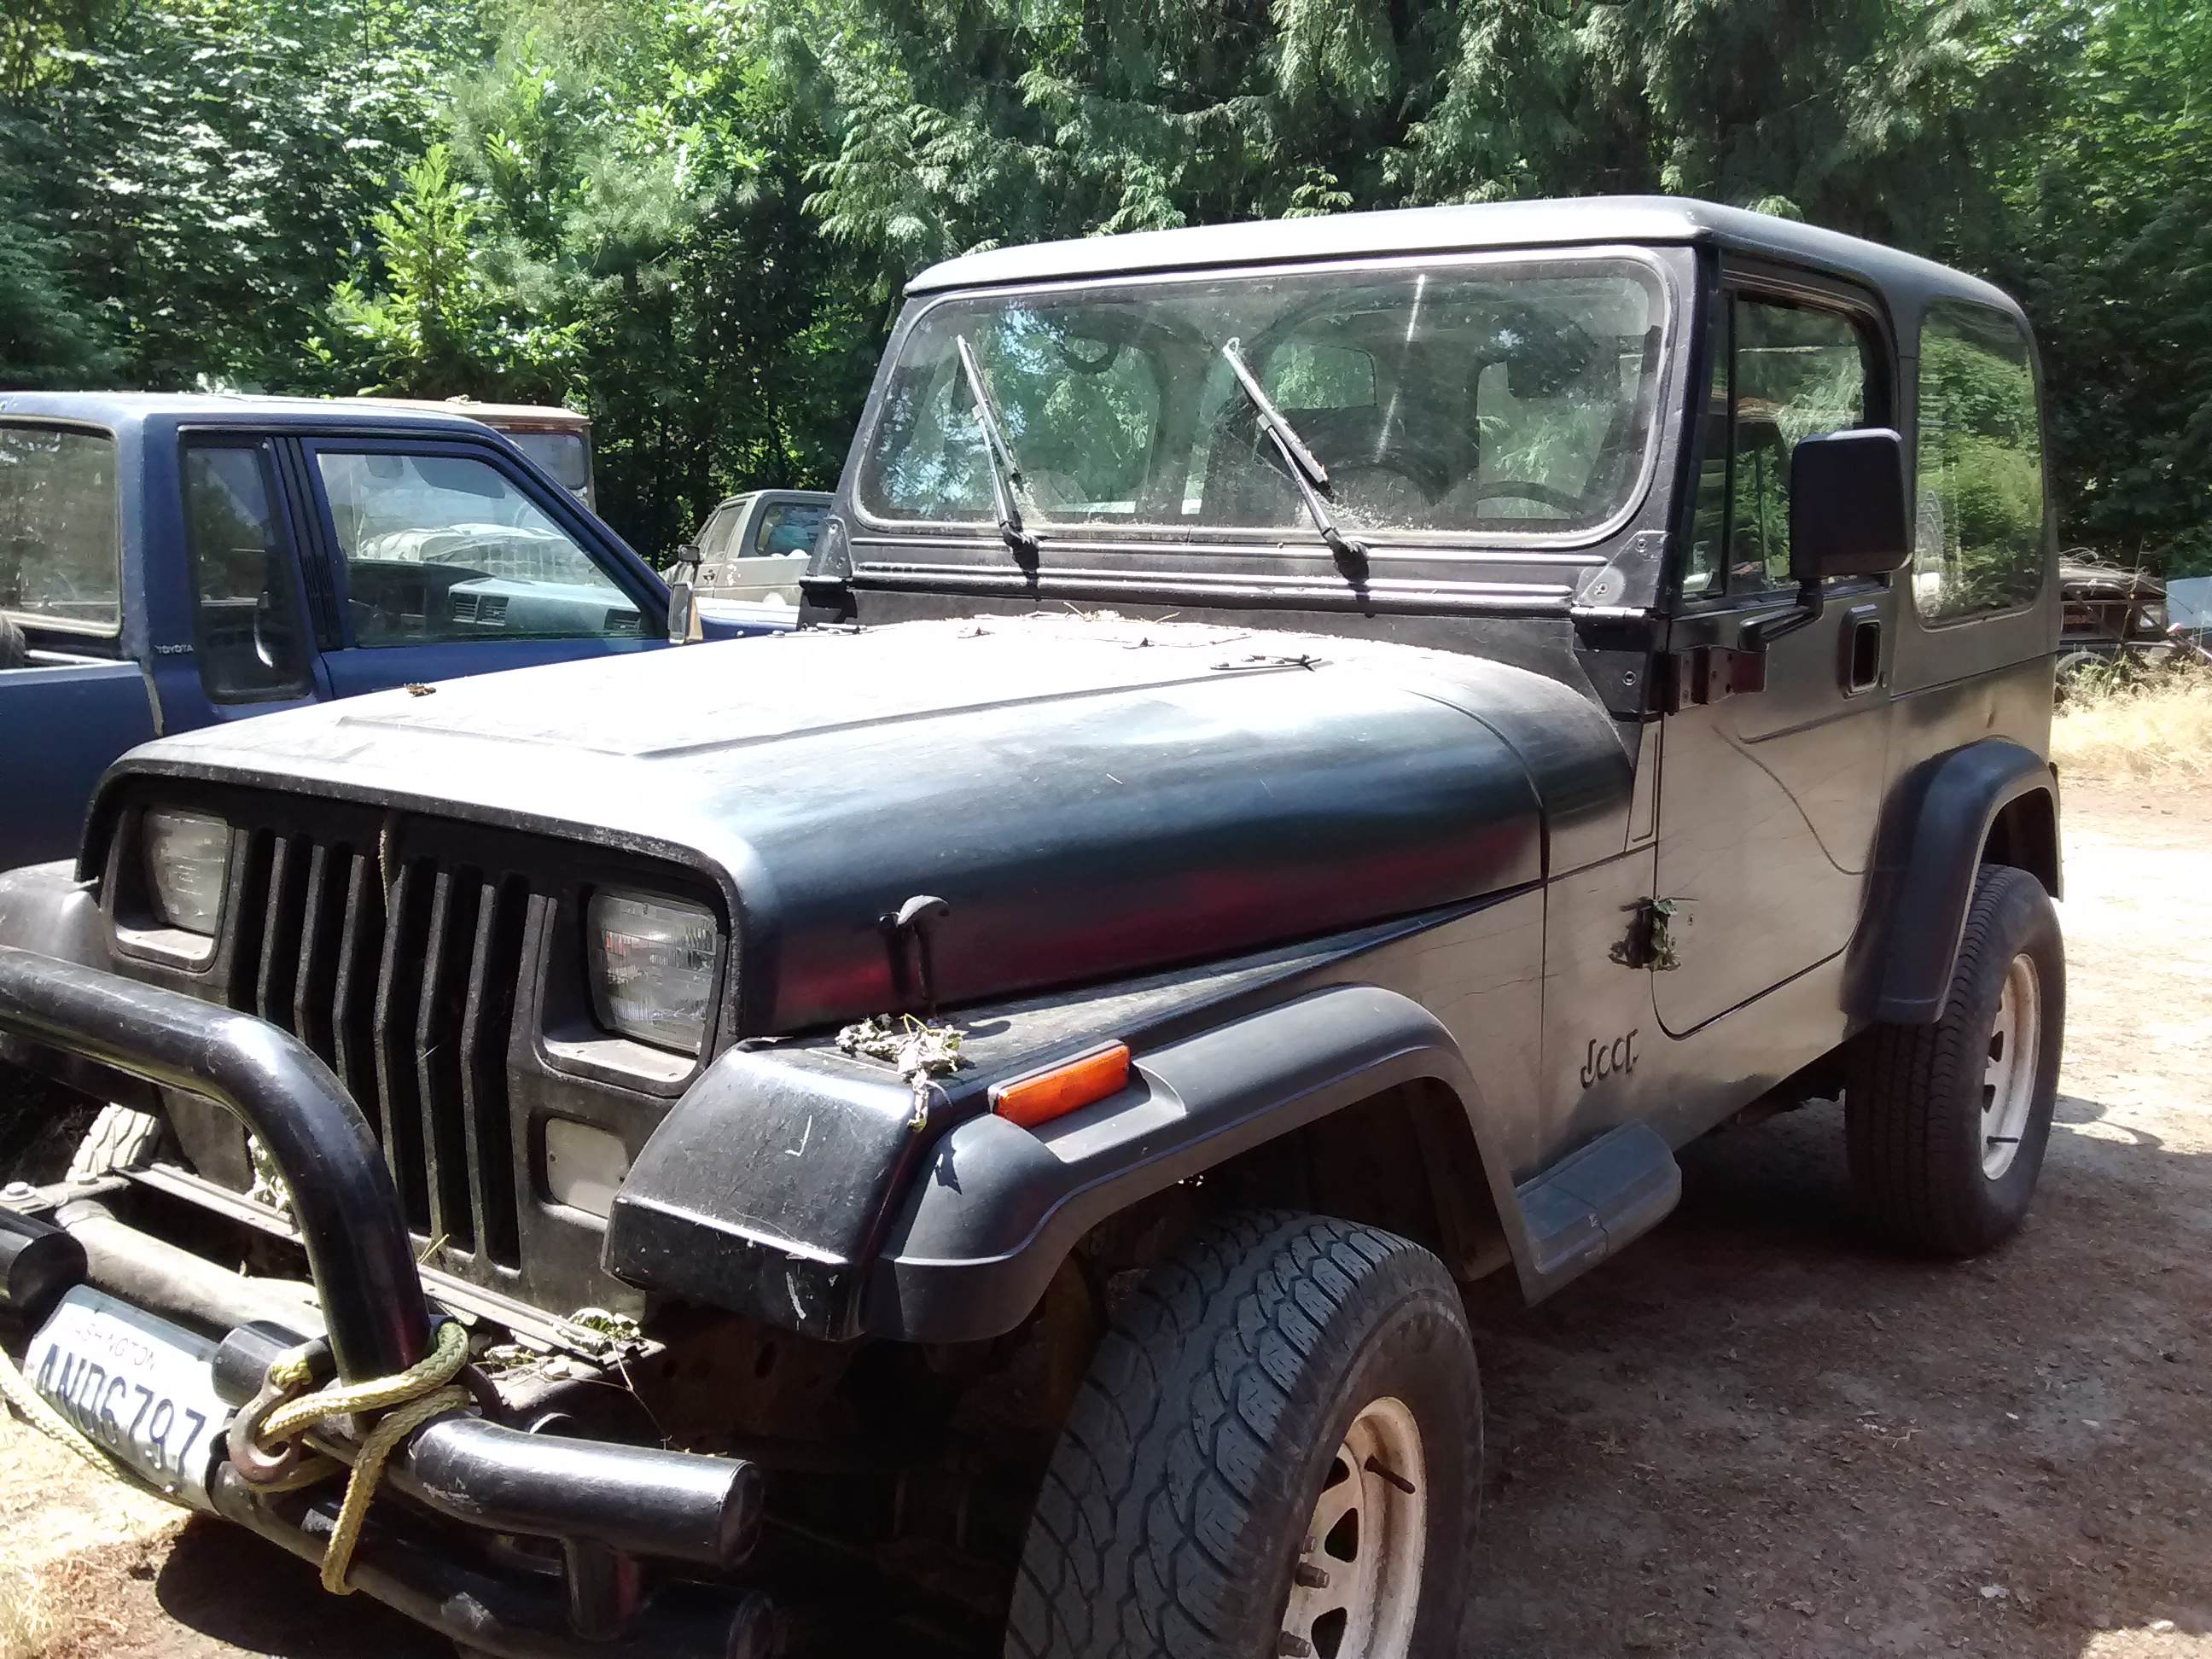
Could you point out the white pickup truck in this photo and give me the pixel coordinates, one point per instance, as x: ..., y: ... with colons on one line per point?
x: 755, y: 547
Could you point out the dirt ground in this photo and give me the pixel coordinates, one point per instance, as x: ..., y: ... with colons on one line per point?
x: 1754, y: 1435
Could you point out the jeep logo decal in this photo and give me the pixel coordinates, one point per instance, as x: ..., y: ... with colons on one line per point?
x: 1614, y: 1059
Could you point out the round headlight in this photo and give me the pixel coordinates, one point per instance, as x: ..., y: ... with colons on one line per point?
x: 653, y: 968
x: 186, y: 857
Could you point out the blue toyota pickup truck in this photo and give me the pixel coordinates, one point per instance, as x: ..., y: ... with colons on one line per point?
x: 168, y: 561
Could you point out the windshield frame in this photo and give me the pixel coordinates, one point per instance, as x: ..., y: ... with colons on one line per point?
x: 1383, y: 542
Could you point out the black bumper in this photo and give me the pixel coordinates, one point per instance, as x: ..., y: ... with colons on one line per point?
x: 606, y: 1513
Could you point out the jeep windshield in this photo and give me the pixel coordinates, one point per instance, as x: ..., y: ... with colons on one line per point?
x: 1471, y: 400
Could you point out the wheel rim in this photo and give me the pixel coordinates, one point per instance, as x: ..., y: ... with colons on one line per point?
x: 2008, y: 1078
x: 1358, y: 1580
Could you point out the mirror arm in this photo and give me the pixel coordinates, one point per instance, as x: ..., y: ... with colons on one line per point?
x: 1803, y: 614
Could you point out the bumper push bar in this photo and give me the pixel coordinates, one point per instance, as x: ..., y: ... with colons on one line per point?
x: 605, y: 1505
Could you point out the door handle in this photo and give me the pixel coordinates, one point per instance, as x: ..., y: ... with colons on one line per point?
x: 1859, y: 665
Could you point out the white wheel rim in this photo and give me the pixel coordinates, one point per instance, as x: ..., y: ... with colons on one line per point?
x: 1358, y: 1580
x: 2009, y: 1077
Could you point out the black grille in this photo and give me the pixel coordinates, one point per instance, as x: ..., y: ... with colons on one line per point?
x: 408, y: 994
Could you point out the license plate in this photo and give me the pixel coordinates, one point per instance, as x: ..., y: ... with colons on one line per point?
x: 136, y: 1385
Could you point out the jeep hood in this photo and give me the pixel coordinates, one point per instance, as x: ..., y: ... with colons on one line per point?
x: 1091, y: 797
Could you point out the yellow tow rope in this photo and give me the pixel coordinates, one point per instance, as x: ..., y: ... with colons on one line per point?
x: 409, y: 1400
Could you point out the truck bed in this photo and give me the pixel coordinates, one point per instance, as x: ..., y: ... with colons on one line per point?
x: 62, y: 719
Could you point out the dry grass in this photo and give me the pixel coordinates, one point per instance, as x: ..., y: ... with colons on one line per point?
x: 2151, y: 727
x: 78, y: 1607
x: 29, y: 1623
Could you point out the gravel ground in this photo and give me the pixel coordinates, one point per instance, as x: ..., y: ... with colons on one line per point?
x: 1754, y: 1435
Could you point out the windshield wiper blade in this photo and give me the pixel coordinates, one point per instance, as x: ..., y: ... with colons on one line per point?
x: 1305, y: 469
x: 1006, y: 473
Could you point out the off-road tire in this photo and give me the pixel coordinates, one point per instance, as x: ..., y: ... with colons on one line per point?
x: 1177, y: 1501
x: 1913, y: 1098
x: 119, y: 1139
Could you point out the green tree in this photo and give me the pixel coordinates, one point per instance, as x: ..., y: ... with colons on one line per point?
x: 433, y: 332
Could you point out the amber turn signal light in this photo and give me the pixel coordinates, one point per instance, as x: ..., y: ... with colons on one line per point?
x: 1043, y: 1096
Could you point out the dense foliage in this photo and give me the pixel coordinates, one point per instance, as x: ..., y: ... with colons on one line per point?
x: 692, y: 218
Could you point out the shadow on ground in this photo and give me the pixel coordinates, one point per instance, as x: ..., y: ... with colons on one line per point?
x: 1758, y: 1433
x: 225, y: 1585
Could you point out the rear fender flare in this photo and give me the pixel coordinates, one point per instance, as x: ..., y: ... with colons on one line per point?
x: 1941, y: 832
x: 996, y: 1208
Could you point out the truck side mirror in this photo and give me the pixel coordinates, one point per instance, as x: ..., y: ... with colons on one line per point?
x: 682, y: 595
x: 1847, y: 513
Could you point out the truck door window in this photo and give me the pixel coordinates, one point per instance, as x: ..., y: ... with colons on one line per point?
x: 60, y: 547
x: 244, y: 614
x: 447, y: 547
x: 1788, y: 372
x: 1978, y: 536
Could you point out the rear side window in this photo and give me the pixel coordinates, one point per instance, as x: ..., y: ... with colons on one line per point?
x: 246, y: 619
x: 560, y: 453
x: 1977, y: 535
x: 789, y: 528
x: 60, y: 547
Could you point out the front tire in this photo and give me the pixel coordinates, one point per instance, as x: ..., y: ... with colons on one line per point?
x: 1947, y: 1122
x: 1277, y: 1451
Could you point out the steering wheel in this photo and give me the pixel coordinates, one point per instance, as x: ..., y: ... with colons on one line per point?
x: 1521, y: 489
x: 1110, y: 350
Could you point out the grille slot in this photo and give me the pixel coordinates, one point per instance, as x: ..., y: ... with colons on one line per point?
x: 410, y: 999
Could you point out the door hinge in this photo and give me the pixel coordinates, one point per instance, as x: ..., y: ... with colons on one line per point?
x: 1711, y: 673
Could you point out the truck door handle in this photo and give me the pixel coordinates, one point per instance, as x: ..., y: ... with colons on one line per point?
x: 1861, y: 667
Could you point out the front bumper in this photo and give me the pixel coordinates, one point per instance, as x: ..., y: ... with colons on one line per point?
x: 515, y: 1543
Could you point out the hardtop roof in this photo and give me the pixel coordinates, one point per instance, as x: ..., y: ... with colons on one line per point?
x: 1632, y: 220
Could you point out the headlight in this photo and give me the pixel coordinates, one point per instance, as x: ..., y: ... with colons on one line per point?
x: 186, y: 855
x: 652, y: 968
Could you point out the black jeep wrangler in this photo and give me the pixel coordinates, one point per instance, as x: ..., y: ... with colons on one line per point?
x: 1319, y: 754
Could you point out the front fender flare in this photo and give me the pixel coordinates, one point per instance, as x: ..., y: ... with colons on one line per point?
x: 45, y: 907
x: 995, y: 1208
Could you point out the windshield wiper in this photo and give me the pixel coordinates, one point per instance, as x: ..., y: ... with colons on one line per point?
x: 1305, y: 469
x: 1005, y: 473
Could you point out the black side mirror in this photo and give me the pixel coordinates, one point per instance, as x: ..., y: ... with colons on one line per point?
x: 1847, y: 513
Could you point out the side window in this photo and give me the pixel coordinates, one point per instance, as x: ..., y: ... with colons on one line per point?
x: 1789, y: 372
x: 61, y: 558
x: 1978, y: 538
x: 788, y: 527
x: 244, y: 613
x: 560, y: 453
x: 445, y: 547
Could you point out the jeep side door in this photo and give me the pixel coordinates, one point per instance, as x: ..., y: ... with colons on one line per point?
x: 1768, y: 792
x: 444, y: 558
